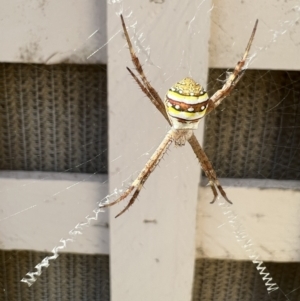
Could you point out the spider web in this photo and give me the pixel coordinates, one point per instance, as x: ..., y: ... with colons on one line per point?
x: 63, y: 203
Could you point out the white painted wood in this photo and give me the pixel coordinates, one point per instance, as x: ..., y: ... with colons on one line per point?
x: 153, y: 244
x: 40, y: 208
x: 270, y: 218
x: 268, y: 210
x: 276, y: 44
x: 149, y: 260
x: 52, y: 31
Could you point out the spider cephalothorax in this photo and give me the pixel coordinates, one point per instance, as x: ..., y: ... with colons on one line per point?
x: 186, y: 103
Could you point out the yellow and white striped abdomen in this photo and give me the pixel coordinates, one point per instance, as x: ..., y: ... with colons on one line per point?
x: 186, y: 104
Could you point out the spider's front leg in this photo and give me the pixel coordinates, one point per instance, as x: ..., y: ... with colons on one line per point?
x: 144, y: 84
x: 233, y: 78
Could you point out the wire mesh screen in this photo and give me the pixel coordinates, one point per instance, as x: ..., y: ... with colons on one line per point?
x: 225, y: 280
x: 256, y: 132
x: 72, y: 277
x: 53, y: 118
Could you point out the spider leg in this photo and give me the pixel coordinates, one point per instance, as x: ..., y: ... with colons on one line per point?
x: 214, y: 190
x: 131, y: 201
x: 153, y: 100
x: 135, y: 195
x: 151, y: 92
x: 214, y: 101
x: 233, y: 78
x: 137, y: 185
x: 208, y: 169
x: 213, y: 181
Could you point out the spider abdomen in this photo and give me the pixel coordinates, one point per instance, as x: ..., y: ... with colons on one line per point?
x: 186, y: 104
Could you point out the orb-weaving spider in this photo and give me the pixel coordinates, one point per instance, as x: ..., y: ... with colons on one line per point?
x: 185, y: 104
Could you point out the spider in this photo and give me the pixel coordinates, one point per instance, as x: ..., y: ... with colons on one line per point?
x: 184, y: 105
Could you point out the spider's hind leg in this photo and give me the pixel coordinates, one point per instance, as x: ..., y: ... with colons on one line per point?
x: 214, y: 183
x: 208, y: 169
x: 138, y: 183
x: 214, y: 190
x: 223, y: 193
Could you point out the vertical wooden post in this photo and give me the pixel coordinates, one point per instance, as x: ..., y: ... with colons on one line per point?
x: 153, y: 244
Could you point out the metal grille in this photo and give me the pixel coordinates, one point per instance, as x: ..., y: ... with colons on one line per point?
x: 255, y: 133
x: 74, y: 277
x: 53, y: 118
x: 230, y: 280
